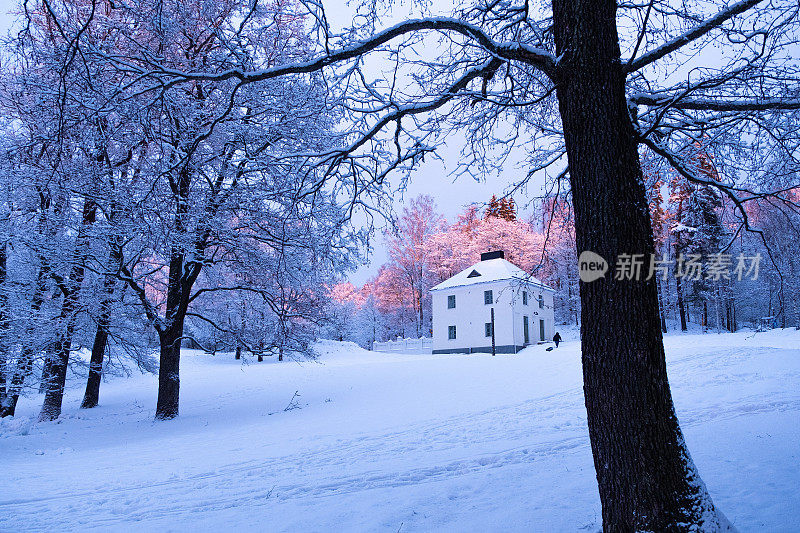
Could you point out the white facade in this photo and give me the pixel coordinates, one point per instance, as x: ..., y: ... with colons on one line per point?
x: 461, y: 308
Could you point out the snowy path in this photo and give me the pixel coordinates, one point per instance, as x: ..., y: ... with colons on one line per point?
x: 392, y: 442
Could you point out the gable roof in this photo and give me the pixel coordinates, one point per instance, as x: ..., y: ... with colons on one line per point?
x: 489, y: 270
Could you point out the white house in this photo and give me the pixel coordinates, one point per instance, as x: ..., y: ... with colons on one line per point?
x: 465, y: 305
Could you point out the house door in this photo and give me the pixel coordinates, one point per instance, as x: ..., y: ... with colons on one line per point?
x: 525, y: 333
x: 541, y: 330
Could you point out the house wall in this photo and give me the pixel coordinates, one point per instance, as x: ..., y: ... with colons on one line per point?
x: 534, y: 314
x: 471, y: 314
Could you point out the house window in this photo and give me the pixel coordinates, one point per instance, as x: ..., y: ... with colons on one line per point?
x: 451, y: 332
x: 524, y: 297
x: 487, y: 327
x: 451, y: 301
x: 541, y: 301
x: 526, y: 334
x: 488, y: 299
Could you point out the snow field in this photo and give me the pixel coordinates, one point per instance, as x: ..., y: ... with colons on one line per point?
x: 384, y: 442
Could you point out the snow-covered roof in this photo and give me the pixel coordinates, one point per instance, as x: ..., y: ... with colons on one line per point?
x: 489, y: 270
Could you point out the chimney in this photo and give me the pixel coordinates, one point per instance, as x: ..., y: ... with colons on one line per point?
x: 497, y: 254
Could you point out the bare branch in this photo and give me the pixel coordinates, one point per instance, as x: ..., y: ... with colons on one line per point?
x: 536, y: 57
x: 707, y: 104
x: 692, y: 35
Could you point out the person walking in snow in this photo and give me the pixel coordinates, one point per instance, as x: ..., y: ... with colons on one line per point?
x: 557, y: 338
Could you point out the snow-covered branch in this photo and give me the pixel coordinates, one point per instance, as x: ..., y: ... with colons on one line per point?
x: 718, y: 104
x: 695, y: 33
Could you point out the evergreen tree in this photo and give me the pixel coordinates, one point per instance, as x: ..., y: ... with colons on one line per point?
x: 701, y: 232
x: 493, y: 209
x: 504, y: 208
x: 507, y: 210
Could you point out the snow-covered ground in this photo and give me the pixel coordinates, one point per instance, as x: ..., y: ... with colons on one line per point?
x: 383, y: 442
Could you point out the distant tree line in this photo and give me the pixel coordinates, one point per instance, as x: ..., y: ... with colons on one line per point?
x: 688, y: 220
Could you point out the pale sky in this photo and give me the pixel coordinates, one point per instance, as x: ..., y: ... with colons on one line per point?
x: 432, y: 178
x: 6, y: 19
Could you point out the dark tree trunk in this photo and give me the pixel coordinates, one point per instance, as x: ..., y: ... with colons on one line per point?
x: 9, y: 404
x: 729, y: 315
x: 4, y: 328
x: 732, y: 321
x: 181, y: 279
x: 59, y: 359
x: 25, y: 364
x: 705, y: 314
x: 92, y: 395
x: 169, y: 373
x: 182, y: 275
x: 782, y: 303
x: 646, y: 479
x: 4, y: 311
x: 46, y: 370
x: 681, y: 305
x: 726, y: 319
